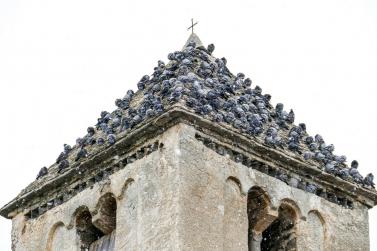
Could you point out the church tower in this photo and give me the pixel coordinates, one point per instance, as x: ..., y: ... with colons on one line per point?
x: 196, y: 159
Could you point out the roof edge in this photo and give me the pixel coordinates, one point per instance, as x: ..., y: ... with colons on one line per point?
x: 177, y: 114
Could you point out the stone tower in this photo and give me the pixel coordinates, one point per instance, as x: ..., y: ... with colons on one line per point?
x: 196, y: 159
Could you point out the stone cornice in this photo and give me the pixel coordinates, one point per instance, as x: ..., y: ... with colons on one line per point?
x: 129, y: 141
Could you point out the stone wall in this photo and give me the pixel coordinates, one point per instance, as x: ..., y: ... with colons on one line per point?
x: 147, y: 211
x: 214, y: 211
x: 185, y: 196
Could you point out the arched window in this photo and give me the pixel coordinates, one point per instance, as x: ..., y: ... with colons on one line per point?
x: 260, y: 216
x: 281, y: 234
x: 97, y: 232
x: 105, y: 221
x: 87, y: 232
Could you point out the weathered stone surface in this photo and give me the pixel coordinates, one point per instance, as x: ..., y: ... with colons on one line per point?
x: 185, y: 196
x: 345, y: 229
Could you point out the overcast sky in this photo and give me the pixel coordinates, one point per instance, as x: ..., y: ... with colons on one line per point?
x: 63, y: 62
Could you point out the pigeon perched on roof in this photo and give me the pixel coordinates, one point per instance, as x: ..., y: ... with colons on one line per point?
x: 63, y: 165
x: 330, y: 168
x: 356, y: 176
x: 82, y: 153
x: 308, y: 155
x: 111, y: 139
x: 210, y: 48
x: 343, y: 173
x: 291, y: 117
x: 368, y: 180
x: 67, y: 148
x: 91, y: 131
x: 42, y: 172
x: 311, y: 188
x: 62, y: 156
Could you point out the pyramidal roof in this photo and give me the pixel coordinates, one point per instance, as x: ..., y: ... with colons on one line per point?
x: 202, y: 85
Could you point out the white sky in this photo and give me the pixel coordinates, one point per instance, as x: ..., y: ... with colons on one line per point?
x: 63, y: 62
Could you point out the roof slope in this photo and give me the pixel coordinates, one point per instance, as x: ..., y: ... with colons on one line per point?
x: 197, y: 80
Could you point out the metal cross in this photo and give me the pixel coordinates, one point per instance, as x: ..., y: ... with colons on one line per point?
x: 192, y: 25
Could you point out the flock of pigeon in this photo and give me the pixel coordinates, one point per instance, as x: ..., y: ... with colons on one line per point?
x: 204, y: 84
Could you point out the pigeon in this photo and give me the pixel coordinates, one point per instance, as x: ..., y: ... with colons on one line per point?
x: 91, y: 131
x: 247, y: 83
x: 313, y: 147
x: 210, y: 48
x: 142, y: 82
x: 282, y: 176
x: 67, y: 148
x: 291, y: 117
x: 62, y: 156
x: 319, y: 156
x: 354, y: 164
x: 311, y: 188
x: 80, y: 142
x: 318, y: 139
x: 82, y: 153
x: 368, y: 180
x: 111, y: 139
x: 356, y: 176
x: 308, y: 155
x: 302, y: 126
x: 42, y: 172
x: 269, y: 140
x: 238, y: 157
x: 89, y: 140
x: 63, y: 165
x: 330, y: 168
x: 100, y: 141
x: 343, y: 173
x: 309, y: 140
x: 340, y: 159
x: 115, y: 122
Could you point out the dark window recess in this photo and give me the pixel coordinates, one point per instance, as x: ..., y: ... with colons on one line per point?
x: 86, y: 230
x: 281, y: 235
x: 97, y: 232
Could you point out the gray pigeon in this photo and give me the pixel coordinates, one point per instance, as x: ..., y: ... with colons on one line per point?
x: 111, y: 139
x: 63, y: 165
x: 82, y: 153
x: 356, y: 176
x: 308, y: 155
x: 210, y: 48
x: 42, y: 172
x: 368, y: 180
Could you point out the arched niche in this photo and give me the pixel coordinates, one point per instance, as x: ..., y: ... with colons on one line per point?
x: 234, y: 183
x: 56, y: 237
x: 315, y: 239
x: 234, y: 223
x: 128, y: 216
x: 281, y: 234
x: 129, y: 182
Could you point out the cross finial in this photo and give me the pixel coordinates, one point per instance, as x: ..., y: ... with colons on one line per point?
x: 192, y: 25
